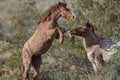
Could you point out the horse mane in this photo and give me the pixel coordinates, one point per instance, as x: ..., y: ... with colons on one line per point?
x: 89, y: 25
x: 49, y: 11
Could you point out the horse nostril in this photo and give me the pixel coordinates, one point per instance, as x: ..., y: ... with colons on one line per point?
x: 71, y: 32
x: 73, y: 17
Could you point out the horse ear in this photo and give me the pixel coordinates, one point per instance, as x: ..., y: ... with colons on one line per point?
x: 89, y: 25
x: 64, y: 1
x: 60, y: 3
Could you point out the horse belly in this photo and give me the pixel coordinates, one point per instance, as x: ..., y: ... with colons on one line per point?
x: 44, y: 48
x: 41, y: 44
x: 40, y: 47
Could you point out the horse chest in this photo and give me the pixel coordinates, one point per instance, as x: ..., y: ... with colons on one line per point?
x: 47, y: 43
x: 51, y: 33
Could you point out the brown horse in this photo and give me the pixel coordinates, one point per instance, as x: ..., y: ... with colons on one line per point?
x: 98, y: 50
x: 43, y: 37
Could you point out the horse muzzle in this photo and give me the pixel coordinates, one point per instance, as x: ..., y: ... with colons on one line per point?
x: 73, y: 18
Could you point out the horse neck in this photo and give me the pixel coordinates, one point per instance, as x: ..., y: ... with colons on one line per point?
x: 90, y: 40
x: 55, y: 15
x: 51, y: 16
x: 52, y: 20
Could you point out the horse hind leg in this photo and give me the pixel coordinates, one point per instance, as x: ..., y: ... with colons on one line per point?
x: 26, y: 61
x: 36, y: 62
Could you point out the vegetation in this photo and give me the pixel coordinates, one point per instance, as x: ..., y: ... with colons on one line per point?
x: 62, y: 61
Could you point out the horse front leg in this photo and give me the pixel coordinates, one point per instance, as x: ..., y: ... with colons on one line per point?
x: 61, y: 35
x: 95, y: 69
x: 94, y: 62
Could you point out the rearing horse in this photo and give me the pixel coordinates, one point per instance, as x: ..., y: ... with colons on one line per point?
x: 43, y: 37
x: 98, y: 50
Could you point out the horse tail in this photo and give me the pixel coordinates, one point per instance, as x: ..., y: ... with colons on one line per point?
x: 117, y: 43
x: 22, y: 66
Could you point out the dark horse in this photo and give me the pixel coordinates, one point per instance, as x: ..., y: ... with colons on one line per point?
x: 98, y: 50
x: 43, y: 37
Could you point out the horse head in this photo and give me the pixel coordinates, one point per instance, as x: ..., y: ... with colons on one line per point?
x: 82, y: 31
x: 65, y: 11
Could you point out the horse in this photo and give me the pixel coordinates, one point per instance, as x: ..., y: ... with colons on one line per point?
x: 99, y: 50
x: 41, y: 40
